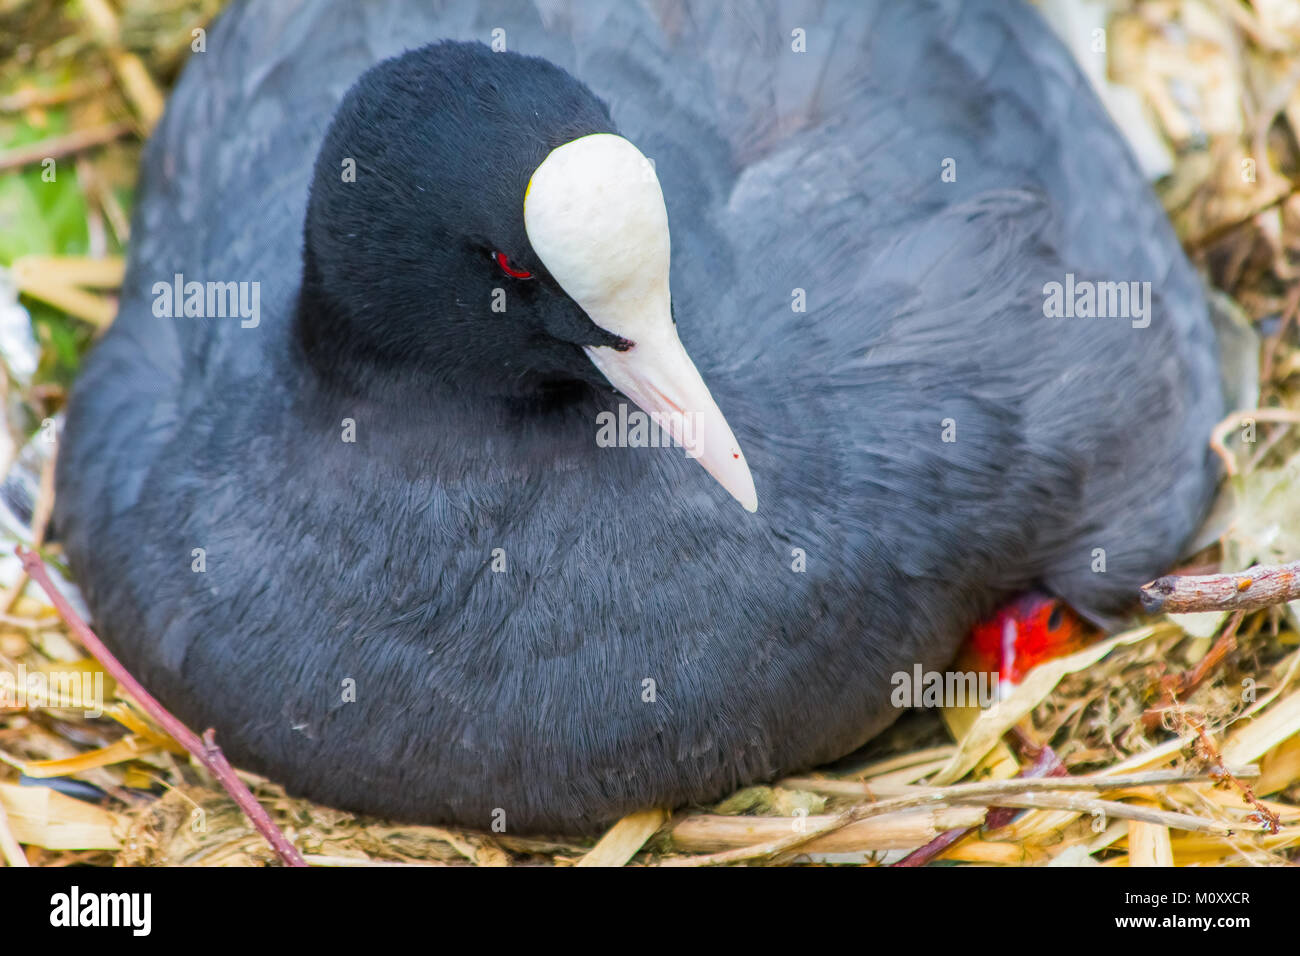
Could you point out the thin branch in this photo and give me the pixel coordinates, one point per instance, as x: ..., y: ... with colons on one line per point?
x: 206, y: 750
x: 1101, y: 783
x: 1081, y: 803
x: 774, y: 847
x: 1045, y: 764
x: 37, y: 97
x: 68, y: 144
x: 937, y: 847
x: 1213, y: 235
x: 1182, y: 684
x: 990, y: 792
x: 1209, y: 752
x: 133, y: 77
x: 1219, y: 434
x: 1257, y: 587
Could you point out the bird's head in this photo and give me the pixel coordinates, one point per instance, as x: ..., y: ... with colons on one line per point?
x: 475, y: 220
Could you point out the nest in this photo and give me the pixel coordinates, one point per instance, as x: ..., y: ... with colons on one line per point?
x: 1174, y: 742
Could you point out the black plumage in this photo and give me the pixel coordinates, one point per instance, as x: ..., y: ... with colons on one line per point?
x: 525, y: 690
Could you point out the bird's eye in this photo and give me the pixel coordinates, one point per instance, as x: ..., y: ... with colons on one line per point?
x: 508, y: 269
x: 1054, y: 620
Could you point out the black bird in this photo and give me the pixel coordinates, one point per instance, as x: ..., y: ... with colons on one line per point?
x: 358, y: 514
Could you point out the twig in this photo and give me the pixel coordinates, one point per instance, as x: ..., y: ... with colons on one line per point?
x: 65, y: 145
x: 1082, y: 803
x: 26, y: 623
x: 1213, y: 235
x: 1099, y: 782
x: 1182, y: 684
x: 206, y: 750
x: 37, y: 97
x: 1257, y: 587
x: 1208, y: 752
x: 134, y: 78
x: 1219, y: 434
x: 992, y: 792
x: 1046, y: 764
x: 774, y: 847
x: 937, y: 847
x: 707, y: 833
x: 1290, y: 309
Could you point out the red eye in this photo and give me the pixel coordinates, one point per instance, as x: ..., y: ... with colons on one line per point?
x: 508, y: 269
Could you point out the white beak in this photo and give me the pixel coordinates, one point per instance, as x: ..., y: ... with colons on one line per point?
x: 595, y: 216
x: 661, y: 378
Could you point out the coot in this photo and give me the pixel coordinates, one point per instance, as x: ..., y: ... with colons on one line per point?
x: 355, y: 479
